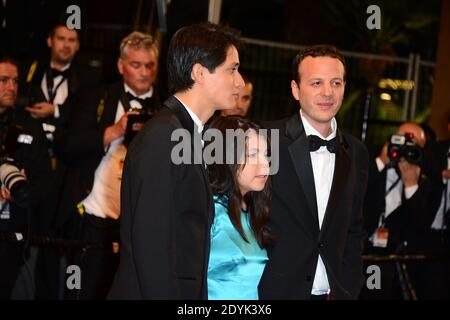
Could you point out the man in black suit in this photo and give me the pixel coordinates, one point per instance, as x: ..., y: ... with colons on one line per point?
x: 51, y: 86
x: 22, y: 147
x: 318, y: 191
x: 94, y: 147
x: 167, y: 208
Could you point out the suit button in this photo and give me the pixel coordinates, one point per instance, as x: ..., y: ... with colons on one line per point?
x: 321, y: 245
x: 308, y: 278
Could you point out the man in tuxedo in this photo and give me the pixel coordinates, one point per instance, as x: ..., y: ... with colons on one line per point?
x: 318, y: 191
x: 22, y: 147
x: 94, y: 147
x: 167, y: 208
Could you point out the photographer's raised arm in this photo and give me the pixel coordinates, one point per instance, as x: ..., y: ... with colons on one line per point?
x: 116, y: 130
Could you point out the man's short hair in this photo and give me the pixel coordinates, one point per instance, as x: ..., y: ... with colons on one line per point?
x: 321, y: 50
x: 204, y: 43
x: 138, y: 40
x: 10, y: 60
x: 52, y: 31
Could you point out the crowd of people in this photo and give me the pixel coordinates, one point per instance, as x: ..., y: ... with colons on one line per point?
x: 88, y: 179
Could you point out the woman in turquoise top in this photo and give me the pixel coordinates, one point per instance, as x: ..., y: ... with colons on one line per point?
x: 239, y: 233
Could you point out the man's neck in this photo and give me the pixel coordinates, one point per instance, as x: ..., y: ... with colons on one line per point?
x: 196, y: 105
x: 58, y: 65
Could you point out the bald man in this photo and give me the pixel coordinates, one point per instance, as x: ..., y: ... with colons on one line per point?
x: 397, y: 214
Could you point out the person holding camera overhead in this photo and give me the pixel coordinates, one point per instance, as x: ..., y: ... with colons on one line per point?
x: 396, y: 211
x: 95, y: 146
x: 24, y: 168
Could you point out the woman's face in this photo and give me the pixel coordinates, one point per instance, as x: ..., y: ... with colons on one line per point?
x: 253, y: 174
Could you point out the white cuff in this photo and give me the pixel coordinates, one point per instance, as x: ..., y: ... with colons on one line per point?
x: 380, y: 164
x: 56, y: 112
x: 409, y: 191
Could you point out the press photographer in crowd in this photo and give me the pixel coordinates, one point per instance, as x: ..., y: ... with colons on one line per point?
x: 24, y: 168
x: 95, y: 146
x: 397, y: 213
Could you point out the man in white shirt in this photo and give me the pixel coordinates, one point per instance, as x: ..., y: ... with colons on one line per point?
x: 318, y: 191
x: 95, y: 147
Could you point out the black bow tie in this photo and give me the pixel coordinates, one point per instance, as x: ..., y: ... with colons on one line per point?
x: 145, y: 103
x: 55, y: 72
x: 315, y: 143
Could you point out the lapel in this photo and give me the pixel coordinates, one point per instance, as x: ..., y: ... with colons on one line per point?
x: 299, y: 152
x: 187, y: 123
x: 340, y: 178
x: 111, y: 100
x: 72, y: 80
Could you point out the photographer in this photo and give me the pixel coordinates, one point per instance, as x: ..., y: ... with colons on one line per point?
x: 24, y: 166
x: 95, y: 147
x: 396, y: 210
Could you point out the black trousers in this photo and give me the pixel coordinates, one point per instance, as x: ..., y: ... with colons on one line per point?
x: 11, y: 260
x: 98, y: 261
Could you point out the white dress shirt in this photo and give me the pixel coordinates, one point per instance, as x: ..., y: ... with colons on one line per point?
x: 62, y: 92
x: 323, y: 163
x: 394, y: 198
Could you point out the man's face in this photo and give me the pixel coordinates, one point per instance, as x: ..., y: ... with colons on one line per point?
x: 222, y: 86
x: 321, y: 88
x: 64, y: 44
x: 139, y: 69
x: 418, y: 133
x: 243, y: 103
x: 9, y: 83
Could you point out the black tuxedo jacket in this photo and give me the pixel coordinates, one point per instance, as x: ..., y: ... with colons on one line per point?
x: 166, y: 214
x: 79, y: 78
x: 290, y: 271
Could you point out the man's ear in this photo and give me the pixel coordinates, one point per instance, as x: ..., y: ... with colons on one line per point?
x: 49, y: 41
x: 295, y: 90
x: 197, y: 73
x: 120, y: 65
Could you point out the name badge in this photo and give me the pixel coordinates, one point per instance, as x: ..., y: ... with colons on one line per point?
x: 380, y: 238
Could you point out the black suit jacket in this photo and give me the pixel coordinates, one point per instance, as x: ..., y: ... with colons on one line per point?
x: 79, y: 77
x: 290, y: 271
x: 408, y: 223
x: 166, y: 213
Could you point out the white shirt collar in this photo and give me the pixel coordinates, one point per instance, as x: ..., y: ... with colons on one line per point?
x: 148, y: 94
x: 309, y: 129
x: 194, y: 117
x: 67, y: 66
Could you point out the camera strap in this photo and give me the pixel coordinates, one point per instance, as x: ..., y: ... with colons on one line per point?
x: 125, y: 102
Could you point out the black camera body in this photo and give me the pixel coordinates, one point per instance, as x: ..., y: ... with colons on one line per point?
x: 135, y: 123
x: 403, y: 146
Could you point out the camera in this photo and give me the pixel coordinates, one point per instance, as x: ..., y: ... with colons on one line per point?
x: 403, y: 146
x: 14, y: 181
x: 135, y: 123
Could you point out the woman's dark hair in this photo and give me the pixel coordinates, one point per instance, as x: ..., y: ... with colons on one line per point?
x: 204, y: 43
x: 224, y: 181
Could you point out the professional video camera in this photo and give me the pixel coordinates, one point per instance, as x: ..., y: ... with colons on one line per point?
x: 403, y: 146
x: 135, y: 123
x: 10, y: 175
